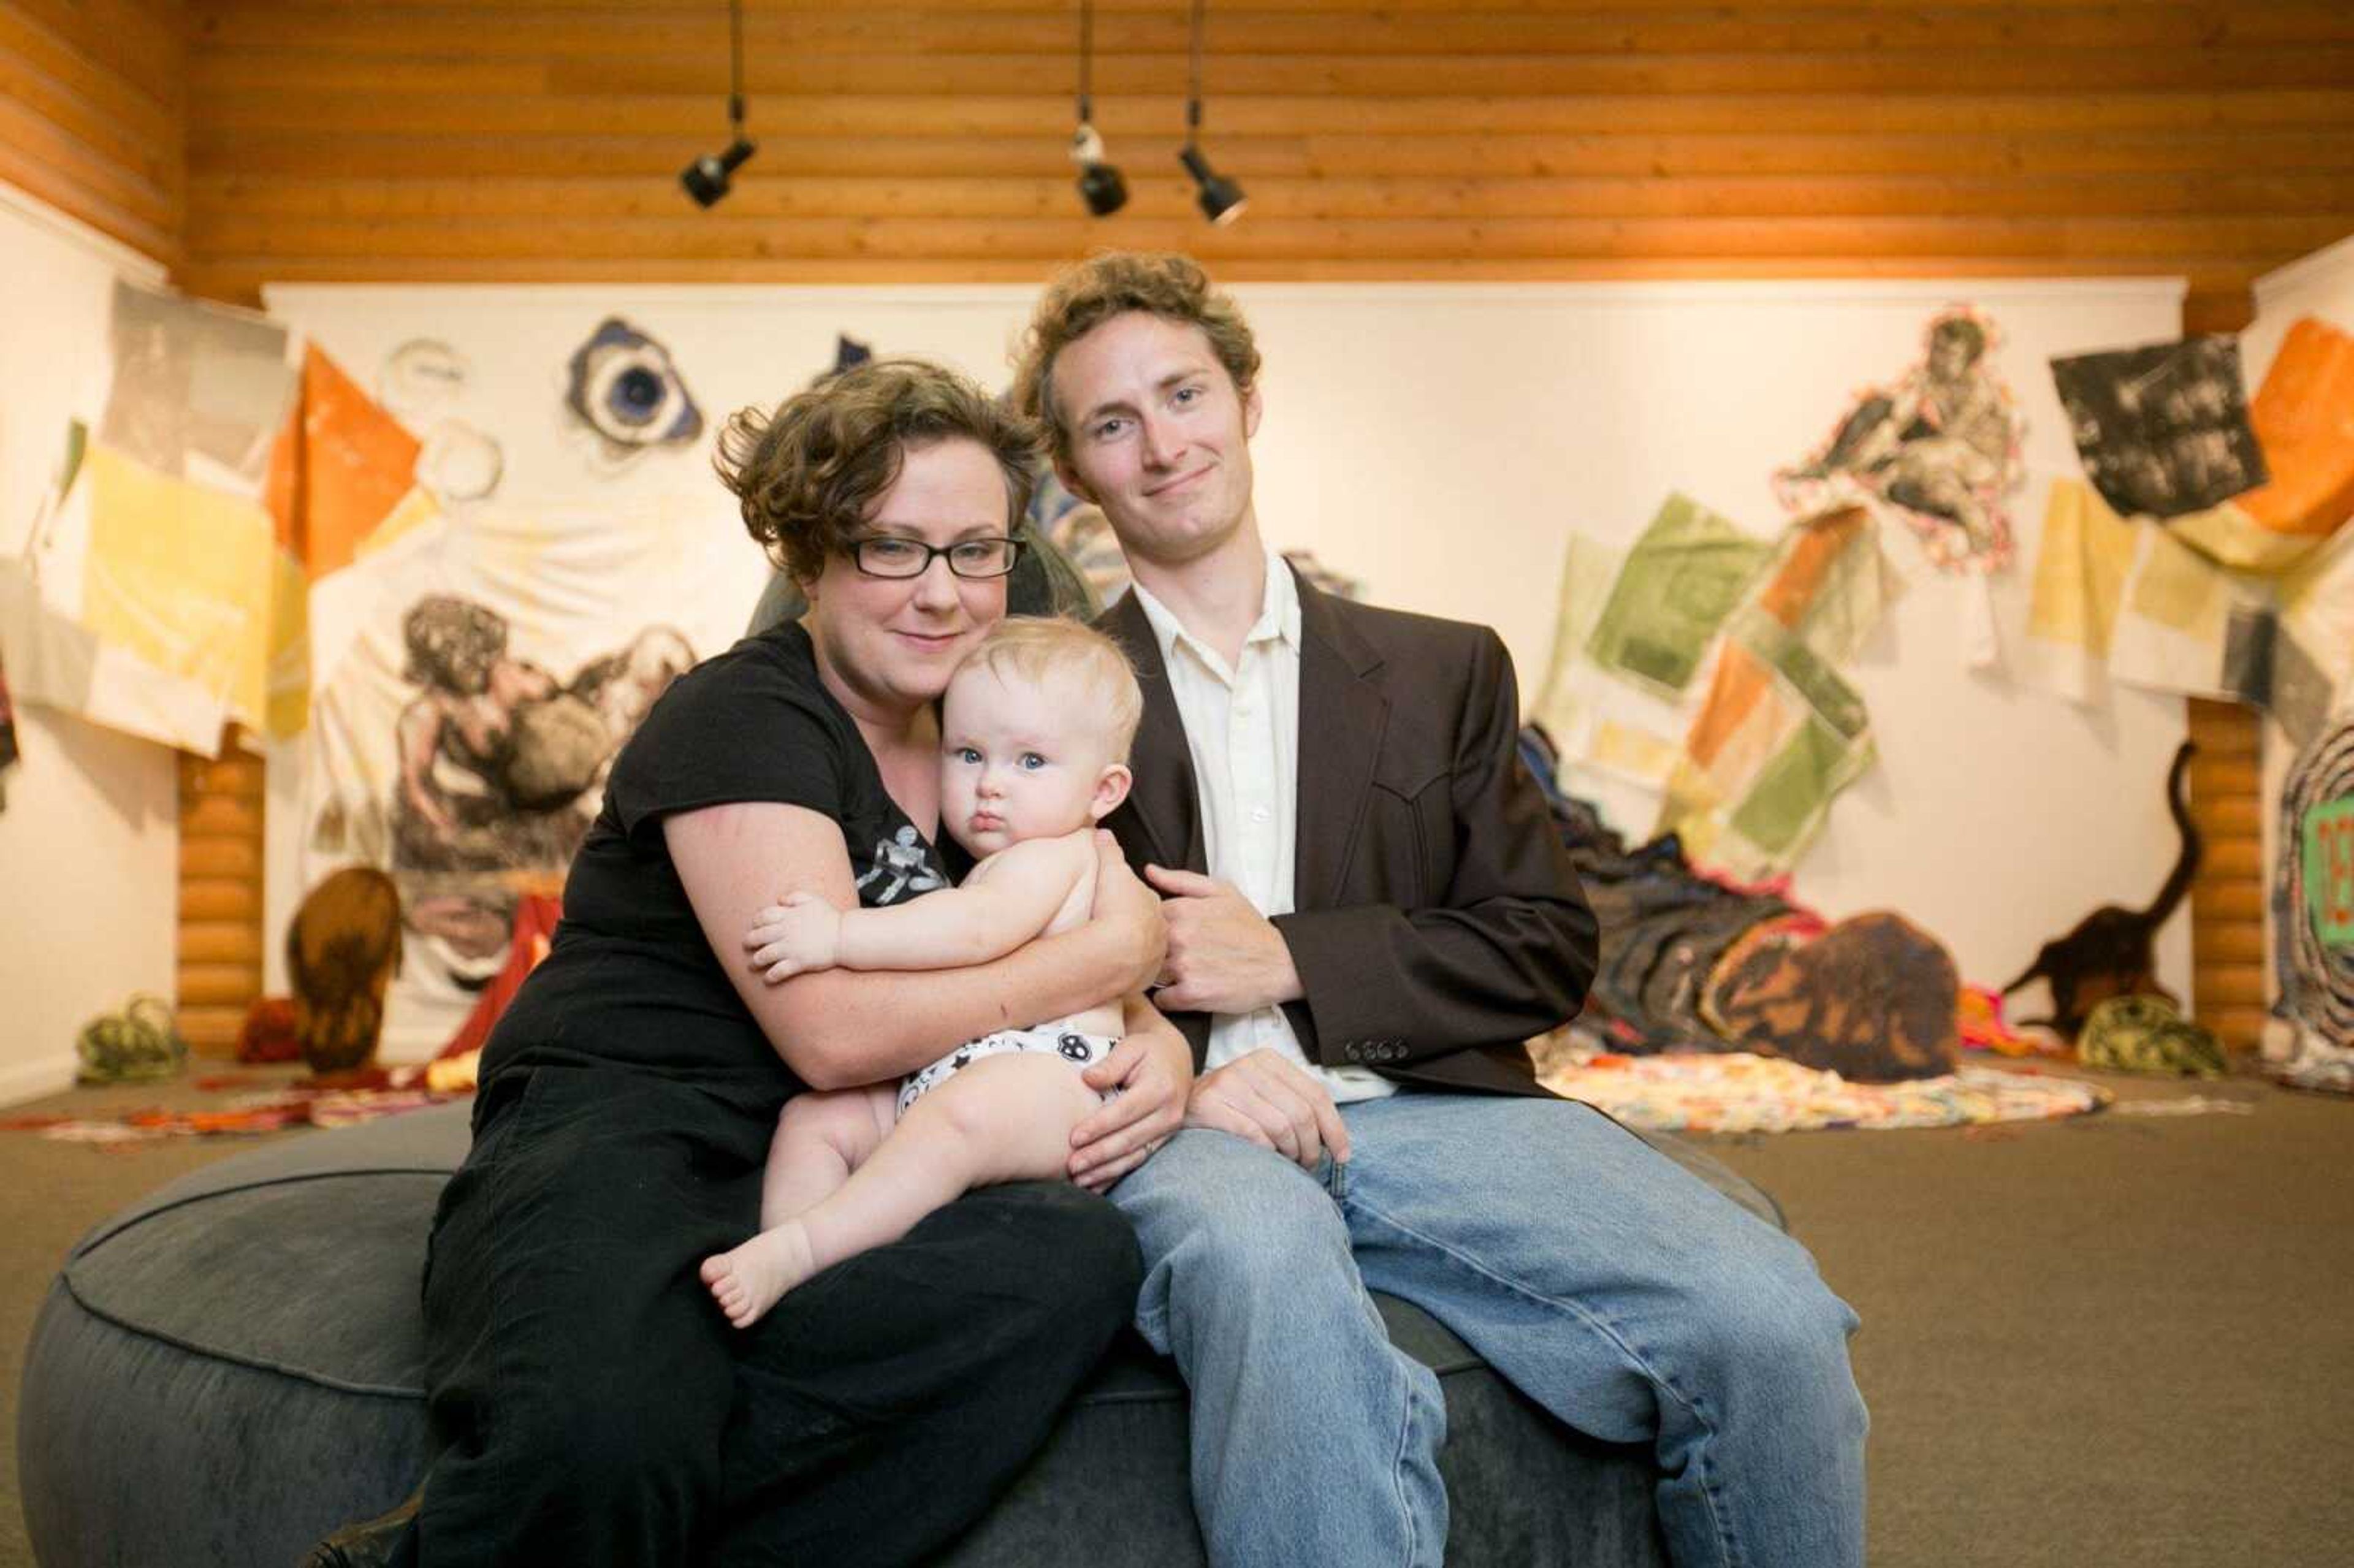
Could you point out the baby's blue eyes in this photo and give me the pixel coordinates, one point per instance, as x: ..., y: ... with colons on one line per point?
x: 970, y: 756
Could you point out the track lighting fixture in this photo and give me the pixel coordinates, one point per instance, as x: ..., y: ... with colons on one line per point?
x: 706, y: 178
x: 1101, y: 185
x: 1222, y: 200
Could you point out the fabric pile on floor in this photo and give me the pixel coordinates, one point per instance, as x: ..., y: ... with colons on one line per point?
x: 1737, y: 1091
x: 350, y: 1100
x: 1718, y: 1007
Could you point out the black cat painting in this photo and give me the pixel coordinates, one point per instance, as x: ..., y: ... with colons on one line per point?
x: 2110, y: 951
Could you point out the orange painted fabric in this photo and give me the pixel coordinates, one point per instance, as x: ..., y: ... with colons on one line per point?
x: 1799, y: 579
x: 358, y: 462
x: 2304, y: 417
x: 1740, y: 681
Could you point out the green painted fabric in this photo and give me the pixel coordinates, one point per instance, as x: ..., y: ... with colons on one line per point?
x: 1683, y: 578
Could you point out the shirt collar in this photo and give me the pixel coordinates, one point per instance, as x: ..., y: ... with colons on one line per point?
x: 1278, y: 617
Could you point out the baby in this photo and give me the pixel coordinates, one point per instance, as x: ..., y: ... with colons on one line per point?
x: 1035, y: 730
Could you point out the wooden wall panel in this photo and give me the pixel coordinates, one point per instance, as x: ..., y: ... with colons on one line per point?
x: 510, y: 140
x: 222, y: 808
x: 2230, y: 964
x: 93, y: 113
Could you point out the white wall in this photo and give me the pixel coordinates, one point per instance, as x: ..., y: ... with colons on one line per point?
x: 2322, y: 284
x: 1440, y: 442
x: 89, y: 844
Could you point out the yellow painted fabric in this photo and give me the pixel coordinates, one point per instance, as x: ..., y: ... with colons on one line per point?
x: 180, y: 574
x: 2181, y: 589
x: 2080, y: 570
x: 2227, y: 534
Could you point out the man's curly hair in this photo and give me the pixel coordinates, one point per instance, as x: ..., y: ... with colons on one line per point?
x: 806, y: 474
x: 1084, y: 296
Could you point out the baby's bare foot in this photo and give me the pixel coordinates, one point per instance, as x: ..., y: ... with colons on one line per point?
x: 747, y: 1281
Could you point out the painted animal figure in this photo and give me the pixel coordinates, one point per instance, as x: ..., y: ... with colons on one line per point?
x: 2111, y: 951
x: 341, y: 953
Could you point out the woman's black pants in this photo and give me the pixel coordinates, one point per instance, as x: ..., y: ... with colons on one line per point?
x: 596, y: 1409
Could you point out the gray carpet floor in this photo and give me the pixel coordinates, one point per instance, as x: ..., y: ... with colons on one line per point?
x: 2118, y: 1340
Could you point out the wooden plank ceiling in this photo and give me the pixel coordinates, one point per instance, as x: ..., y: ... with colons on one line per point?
x: 94, y: 115
x: 397, y: 138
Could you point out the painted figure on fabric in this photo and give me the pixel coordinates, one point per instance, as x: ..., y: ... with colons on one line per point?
x: 1941, y: 446
x: 499, y: 764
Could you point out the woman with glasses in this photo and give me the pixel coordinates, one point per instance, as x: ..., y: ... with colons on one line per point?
x: 596, y: 1407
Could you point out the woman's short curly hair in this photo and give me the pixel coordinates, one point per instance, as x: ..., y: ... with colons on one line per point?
x: 806, y: 474
x: 1084, y: 296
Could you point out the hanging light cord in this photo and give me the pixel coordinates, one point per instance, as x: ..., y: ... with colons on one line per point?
x: 735, y: 66
x: 1087, y: 60
x: 1193, y: 78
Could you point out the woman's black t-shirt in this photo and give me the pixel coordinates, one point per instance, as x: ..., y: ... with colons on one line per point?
x: 630, y: 979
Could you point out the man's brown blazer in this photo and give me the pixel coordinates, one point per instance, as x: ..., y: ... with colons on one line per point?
x: 1438, y: 923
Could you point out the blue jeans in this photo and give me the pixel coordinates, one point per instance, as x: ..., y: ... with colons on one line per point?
x: 1625, y: 1295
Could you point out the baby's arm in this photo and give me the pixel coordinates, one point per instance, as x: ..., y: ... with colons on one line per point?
x: 1009, y: 898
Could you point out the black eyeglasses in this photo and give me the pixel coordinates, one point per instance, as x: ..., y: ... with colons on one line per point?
x: 888, y: 556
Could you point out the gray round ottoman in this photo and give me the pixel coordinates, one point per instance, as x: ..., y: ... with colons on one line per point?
x: 232, y: 1368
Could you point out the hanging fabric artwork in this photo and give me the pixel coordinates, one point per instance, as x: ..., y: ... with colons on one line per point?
x: 1939, y: 448
x: 146, y: 599
x: 493, y: 663
x: 2313, y: 913
x: 2087, y: 552
x: 1701, y: 672
x: 2163, y: 430
x: 1680, y: 579
x: 1780, y: 732
x: 2302, y: 420
x: 2167, y: 435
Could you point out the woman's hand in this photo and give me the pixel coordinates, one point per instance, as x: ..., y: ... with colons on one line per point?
x: 1152, y: 1067
x: 1128, y: 907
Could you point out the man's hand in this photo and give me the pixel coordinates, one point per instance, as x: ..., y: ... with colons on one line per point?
x: 802, y: 933
x: 1152, y: 1067
x: 1224, y: 955
x: 1266, y: 1099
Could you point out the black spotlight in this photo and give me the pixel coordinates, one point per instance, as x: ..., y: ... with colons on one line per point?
x: 705, y: 179
x: 1222, y: 200
x: 1101, y: 185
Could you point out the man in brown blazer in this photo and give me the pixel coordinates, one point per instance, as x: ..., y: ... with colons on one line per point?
x: 1369, y: 909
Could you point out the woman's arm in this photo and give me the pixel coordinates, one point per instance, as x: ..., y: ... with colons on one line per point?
x: 838, y: 1028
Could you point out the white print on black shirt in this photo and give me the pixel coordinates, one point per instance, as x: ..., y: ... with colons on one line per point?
x: 899, y: 863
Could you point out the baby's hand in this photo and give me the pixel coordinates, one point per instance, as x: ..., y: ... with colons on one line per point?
x: 803, y: 932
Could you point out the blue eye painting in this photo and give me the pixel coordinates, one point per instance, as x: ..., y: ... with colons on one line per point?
x: 624, y: 387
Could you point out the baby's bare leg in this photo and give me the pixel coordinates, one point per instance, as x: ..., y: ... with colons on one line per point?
x: 1004, y: 1118
x: 821, y: 1138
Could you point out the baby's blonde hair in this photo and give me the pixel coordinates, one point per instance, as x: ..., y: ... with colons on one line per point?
x: 1041, y: 649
